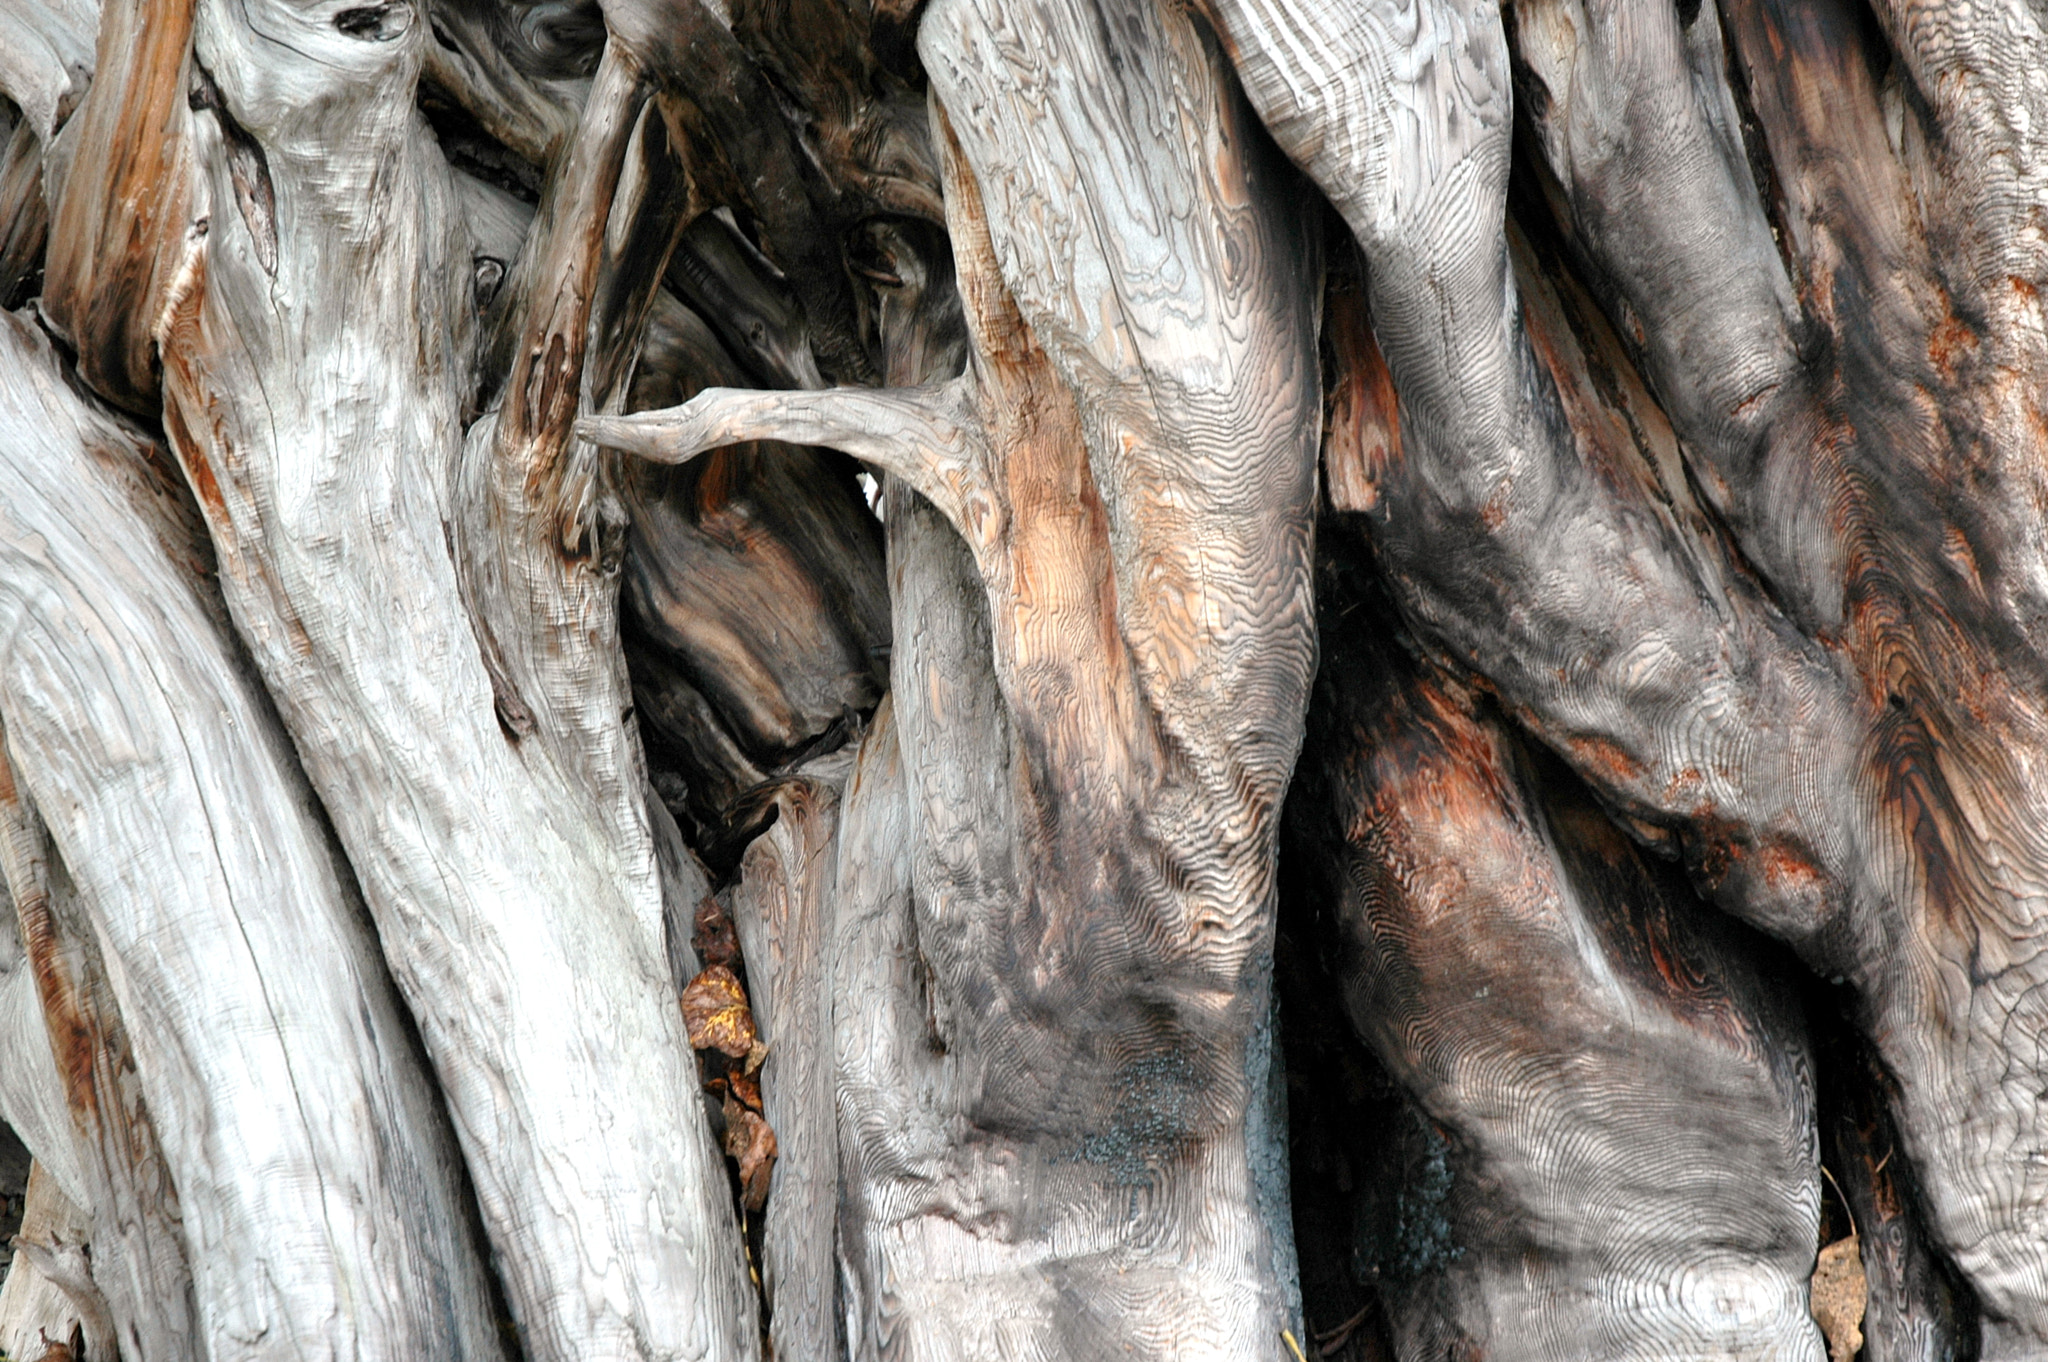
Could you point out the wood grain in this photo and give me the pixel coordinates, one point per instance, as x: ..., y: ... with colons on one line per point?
x: 315, y: 407
x: 33, y: 1307
x: 1877, y: 462
x: 319, y: 1202
x: 1618, y: 1152
x: 1098, y: 705
x: 782, y: 909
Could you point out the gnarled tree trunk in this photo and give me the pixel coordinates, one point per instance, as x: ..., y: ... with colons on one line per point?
x: 1022, y: 616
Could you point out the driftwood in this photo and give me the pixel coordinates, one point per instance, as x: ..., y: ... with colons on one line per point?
x: 36, y: 1308
x: 651, y: 654
x: 218, y: 951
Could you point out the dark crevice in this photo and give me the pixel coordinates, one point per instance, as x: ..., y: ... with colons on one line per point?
x: 474, y: 152
x: 1763, y: 171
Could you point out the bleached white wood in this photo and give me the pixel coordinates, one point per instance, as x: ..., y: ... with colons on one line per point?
x: 33, y: 1307
x: 139, y: 1269
x: 319, y: 1198
x: 31, y: 1090
x: 314, y: 372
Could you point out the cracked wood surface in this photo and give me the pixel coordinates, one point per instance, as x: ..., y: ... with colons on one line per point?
x: 316, y: 357
x: 319, y: 1201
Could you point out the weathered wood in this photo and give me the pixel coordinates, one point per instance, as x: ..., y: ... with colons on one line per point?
x: 119, y: 216
x: 46, y: 60
x: 34, y: 1309
x: 522, y: 71
x: 1840, y: 731
x: 24, y: 214
x: 782, y: 911
x: 319, y: 1200
x: 1619, y: 1156
x: 1784, y: 618
x: 32, y: 1095
x: 1854, y: 407
x: 1094, y: 848
x: 141, y: 1269
x: 759, y: 573
x: 315, y: 362
x: 1917, y: 1308
x: 755, y: 612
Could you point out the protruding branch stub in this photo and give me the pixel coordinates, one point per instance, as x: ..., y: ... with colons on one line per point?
x: 931, y: 436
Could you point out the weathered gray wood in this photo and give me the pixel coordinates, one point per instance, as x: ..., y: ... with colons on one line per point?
x: 33, y: 1307
x: 32, y: 1097
x: 782, y: 911
x: 46, y: 60
x: 141, y: 1269
x: 1094, y: 882
x: 320, y: 1203
x: 1842, y: 742
x: 315, y: 358
x: 1620, y: 1154
x: 1815, y: 233
x: 513, y: 69
x: 1885, y: 482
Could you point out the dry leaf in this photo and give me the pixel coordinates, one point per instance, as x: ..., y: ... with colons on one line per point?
x: 751, y: 1142
x: 57, y: 1351
x: 745, y: 1090
x: 716, y: 1014
x: 1839, y: 1295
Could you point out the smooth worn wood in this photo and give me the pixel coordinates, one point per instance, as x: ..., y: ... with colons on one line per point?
x: 782, y: 912
x: 33, y: 1101
x: 319, y: 1202
x: 34, y: 1308
x: 313, y: 393
x: 1834, y: 709
x: 140, y: 1268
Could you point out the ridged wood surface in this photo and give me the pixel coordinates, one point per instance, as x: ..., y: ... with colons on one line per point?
x: 320, y: 1204
x: 1827, y: 693
x: 1620, y: 1158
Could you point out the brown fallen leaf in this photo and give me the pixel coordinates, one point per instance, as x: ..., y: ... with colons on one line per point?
x: 751, y: 1142
x: 1839, y: 1296
x: 744, y: 1089
x: 716, y: 1014
x: 57, y: 1351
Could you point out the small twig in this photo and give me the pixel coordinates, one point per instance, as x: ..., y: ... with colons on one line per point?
x: 1330, y: 1340
x: 1843, y: 1197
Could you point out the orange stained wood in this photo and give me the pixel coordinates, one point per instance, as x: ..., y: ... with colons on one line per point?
x: 118, y: 228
